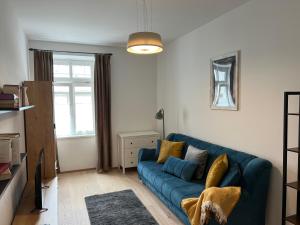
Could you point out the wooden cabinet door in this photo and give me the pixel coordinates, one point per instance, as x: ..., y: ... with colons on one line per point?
x: 39, y: 127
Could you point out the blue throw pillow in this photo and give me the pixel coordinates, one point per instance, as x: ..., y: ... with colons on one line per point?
x: 183, y: 169
x: 157, y: 151
x: 232, y: 177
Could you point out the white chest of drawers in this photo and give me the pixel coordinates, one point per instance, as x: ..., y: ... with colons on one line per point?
x: 129, y: 145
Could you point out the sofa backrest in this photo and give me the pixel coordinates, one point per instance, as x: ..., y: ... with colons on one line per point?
x: 213, y: 150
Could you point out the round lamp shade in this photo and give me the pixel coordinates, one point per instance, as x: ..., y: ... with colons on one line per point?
x: 144, y: 43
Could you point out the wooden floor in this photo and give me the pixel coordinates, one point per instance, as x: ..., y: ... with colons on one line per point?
x: 73, y: 187
x: 25, y: 215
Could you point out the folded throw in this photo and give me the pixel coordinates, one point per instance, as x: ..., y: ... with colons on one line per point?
x: 213, y: 201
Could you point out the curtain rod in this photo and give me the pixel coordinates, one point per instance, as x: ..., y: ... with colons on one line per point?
x: 88, y: 53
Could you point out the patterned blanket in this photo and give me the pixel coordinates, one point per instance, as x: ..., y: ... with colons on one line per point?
x: 214, y: 201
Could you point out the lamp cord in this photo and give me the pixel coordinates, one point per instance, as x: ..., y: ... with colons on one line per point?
x: 137, y: 15
x: 146, y: 15
x: 150, y: 12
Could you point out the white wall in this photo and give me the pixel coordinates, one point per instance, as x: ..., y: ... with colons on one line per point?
x: 133, y: 89
x: 13, y: 64
x: 267, y: 33
x: 13, y: 70
x: 77, y: 153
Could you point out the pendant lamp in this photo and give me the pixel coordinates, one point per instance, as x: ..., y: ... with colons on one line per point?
x: 145, y: 42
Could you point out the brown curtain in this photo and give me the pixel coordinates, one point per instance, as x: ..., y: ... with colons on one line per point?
x: 43, y: 71
x: 43, y: 65
x: 103, y: 111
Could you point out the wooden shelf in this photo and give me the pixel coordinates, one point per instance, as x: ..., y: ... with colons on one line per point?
x: 4, y: 184
x: 294, y: 219
x: 295, y: 185
x: 294, y: 114
x: 9, y: 110
x: 292, y: 92
x: 296, y: 150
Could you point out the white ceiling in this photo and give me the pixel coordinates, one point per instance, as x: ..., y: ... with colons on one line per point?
x: 108, y: 22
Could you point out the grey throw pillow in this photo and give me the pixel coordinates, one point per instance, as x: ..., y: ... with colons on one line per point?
x: 200, y: 157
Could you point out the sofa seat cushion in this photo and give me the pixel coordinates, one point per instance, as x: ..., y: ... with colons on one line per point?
x: 171, y: 187
x: 177, y: 189
x: 151, y: 171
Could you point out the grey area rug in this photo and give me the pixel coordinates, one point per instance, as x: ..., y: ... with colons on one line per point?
x: 118, y: 208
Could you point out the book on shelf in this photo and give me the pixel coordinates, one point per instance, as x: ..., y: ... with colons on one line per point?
x: 10, y: 93
x: 4, y: 167
x: 9, y: 135
x: 15, y: 146
x: 3, y: 102
x: 6, y: 175
x: 5, y: 151
x: 9, y: 104
x: 4, y: 96
x: 12, y: 89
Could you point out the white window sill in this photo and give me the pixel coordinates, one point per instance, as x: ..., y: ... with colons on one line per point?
x: 76, y: 136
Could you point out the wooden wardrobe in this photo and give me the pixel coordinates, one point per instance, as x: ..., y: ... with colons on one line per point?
x: 39, y: 128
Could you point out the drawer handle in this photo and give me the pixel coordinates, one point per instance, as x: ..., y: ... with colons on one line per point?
x: 131, y: 153
x: 152, y: 141
x: 131, y: 143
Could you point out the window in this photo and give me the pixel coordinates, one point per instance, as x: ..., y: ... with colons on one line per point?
x: 73, y: 95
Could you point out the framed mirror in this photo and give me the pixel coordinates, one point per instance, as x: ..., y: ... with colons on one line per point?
x: 224, y: 82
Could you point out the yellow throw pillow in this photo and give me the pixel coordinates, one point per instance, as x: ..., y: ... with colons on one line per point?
x: 169, y: 148
x: 217, y: 171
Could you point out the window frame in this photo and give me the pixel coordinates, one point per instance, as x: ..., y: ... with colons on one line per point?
x: 73, y: 82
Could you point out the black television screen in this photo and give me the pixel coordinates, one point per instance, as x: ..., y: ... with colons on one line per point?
x: 38, y: 182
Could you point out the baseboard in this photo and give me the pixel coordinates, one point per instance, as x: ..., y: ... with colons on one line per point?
x: 81, y: 170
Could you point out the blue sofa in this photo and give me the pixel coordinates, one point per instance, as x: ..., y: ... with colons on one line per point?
x: 250, y: 210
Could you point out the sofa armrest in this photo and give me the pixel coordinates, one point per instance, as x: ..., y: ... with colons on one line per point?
x: 257, y: 173
x: 146, y: 154
x: 256, y: 179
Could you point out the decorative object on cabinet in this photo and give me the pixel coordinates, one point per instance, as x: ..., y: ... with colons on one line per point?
x: 129, y: 145
x: 224, y: 82
x: 160, y: 115
x: 25, y: 101
x: 293, y: 219
x: 39, y: 127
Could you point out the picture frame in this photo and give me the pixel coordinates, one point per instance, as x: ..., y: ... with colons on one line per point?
x: 224, y: 81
